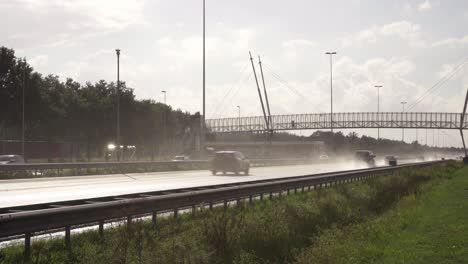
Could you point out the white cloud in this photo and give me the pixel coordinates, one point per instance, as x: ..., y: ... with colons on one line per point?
x: 368, y: 35
x: 424, y: 6
x: 407, y: 8
x: 356, y: 82
x: 295, y: 48
x: 295, y: 43
x: 93, y: 14
x: 404, y: 30
x: 453, y: 42
x: 38, y: 61
x: 454, y: 72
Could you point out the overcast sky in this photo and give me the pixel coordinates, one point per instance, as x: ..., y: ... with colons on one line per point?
x: 406, y: 46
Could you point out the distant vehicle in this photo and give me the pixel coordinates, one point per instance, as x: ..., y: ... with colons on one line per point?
x: 324, y: 157
x: 391, y: 160
x: 365, y: 156
x: 230, y: 161
x: 11, y: 159
x: 181, y: 158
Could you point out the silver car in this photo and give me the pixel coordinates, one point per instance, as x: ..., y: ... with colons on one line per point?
x: 11, y: 159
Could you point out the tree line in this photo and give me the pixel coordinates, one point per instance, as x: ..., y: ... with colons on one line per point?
x: 83, y: 114
x: 338, y: 143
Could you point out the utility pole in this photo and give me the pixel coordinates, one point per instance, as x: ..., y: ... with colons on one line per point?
x: 403, y: 126
x: 117, y: 141
x: 378, y: 110
x: 22, y: 113
x: 164, y: 120
x: 331, y: 88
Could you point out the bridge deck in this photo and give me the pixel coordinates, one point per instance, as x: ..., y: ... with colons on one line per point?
x: 340, y: 121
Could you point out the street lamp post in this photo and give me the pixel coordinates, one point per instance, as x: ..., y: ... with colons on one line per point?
x: 164, y: 119
x: 403, y: 127
x: 164, y: 92
x: 378, y: 109
x: 22, y: 118
x: 239, y: 119
x: 117, y: 141
x: 331, y: 88
x: 202, y: 128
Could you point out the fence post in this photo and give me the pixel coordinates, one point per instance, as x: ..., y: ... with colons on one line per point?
x: 27, y: 246
x: 101, y: 229
x: 154, y: 216
x: 68, y: 237
x: 129, y: 221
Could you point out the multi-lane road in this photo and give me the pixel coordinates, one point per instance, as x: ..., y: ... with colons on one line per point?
x: 46, y: 190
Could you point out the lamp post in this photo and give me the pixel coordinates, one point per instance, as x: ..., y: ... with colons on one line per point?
x: 164, y: 119
x: 378, y: 110
x: 22, y: 117
x: 331, y: 53
x: 403, y: 127
x: 117, y: 141
x: 164, y: 92
x: 202, y: 127
x: 239, y: 120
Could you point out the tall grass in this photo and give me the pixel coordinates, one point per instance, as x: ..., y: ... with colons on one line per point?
x: 271, y: 231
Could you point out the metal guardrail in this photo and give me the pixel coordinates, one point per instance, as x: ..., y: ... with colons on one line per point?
x: 88, y: 168
x: 66, y: 217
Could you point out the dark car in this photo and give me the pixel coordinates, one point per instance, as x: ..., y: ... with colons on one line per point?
x: 230, y: 161
x: 365, y: 156
x: 391, y: 160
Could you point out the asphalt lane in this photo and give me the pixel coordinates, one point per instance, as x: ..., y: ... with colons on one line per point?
x: 45, y: 190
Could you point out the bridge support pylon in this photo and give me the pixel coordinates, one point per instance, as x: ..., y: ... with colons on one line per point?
x: 462, y: 119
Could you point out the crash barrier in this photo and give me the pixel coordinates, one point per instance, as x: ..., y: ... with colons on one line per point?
x: 9, y: 171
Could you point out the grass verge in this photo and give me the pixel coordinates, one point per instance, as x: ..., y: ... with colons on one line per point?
x: 429, y: 227
x: 281, y: 230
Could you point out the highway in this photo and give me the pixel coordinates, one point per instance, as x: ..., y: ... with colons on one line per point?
x: 45, y: 190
